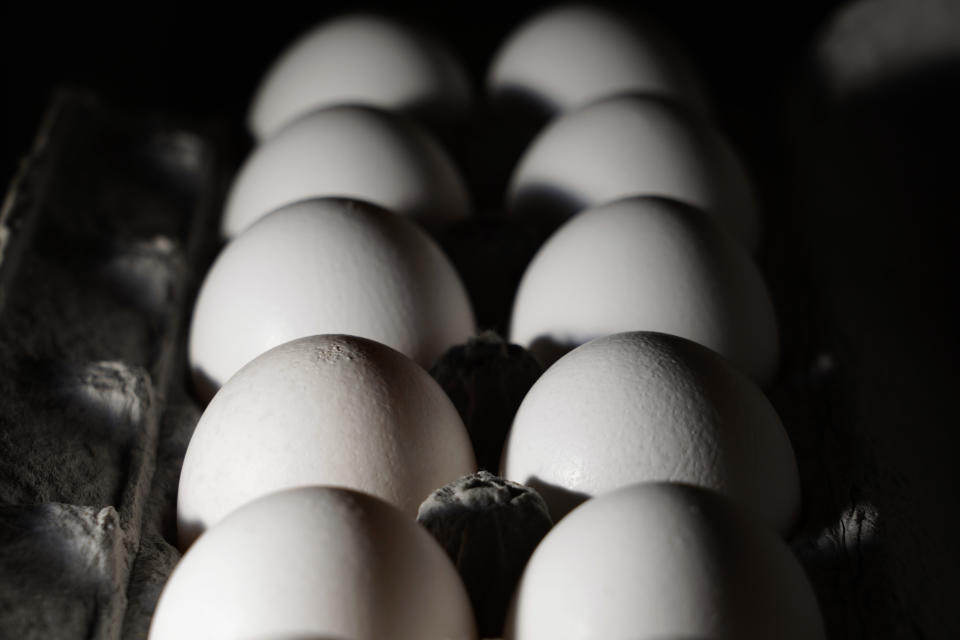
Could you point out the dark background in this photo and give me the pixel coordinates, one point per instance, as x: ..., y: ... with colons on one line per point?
x: 204, y: 59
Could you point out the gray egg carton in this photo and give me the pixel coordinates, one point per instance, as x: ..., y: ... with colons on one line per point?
x: 105, y: 234
x: 103, y: 231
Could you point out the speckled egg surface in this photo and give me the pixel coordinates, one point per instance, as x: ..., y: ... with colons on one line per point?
x: 326, y: 266
x: 642, y: 406
x: 315, y: 562
x: 327, y: 409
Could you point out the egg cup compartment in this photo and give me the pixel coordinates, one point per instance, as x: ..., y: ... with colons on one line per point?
x: 105, y: 229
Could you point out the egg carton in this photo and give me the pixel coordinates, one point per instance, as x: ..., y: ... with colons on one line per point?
x: 103, y: 232
x: 106, y: 233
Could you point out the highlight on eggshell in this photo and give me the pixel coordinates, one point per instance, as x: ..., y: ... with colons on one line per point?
x: 351, y: 152
x: 644, y: 406
x: 631, y: 145
x: 314, y: 562
x: 663, y: 560
x: 647, y: 264
x: 570, y: 55
x: 327, y: 409
x: 326, y: 265
x: 366, y: 59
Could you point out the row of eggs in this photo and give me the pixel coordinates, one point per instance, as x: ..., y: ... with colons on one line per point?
x: 618, y: 435
x: 299, y: 399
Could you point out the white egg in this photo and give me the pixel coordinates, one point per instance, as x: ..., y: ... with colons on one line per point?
x: 314, y: 562
x: 364, y: 59
x: 629, y: 146
x: 660, y: 560
x: 568, y: 56
x: 351, y: 152
x: 646, y: 264
x: 330, y: 409
x: 641, y: 406
x: 326, y: 266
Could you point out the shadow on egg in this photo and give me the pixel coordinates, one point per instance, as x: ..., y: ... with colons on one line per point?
x: 546, y: 205
x: 548, y: 349
x: 560, y: 500
x: 530, y: 110
x: 188, y: 531
x: 204, y: 387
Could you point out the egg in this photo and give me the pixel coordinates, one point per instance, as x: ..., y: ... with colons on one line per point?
x: 661, y: 560
x: 570, y: 55
x: 314, y: 562
x: 366, y: 59
x: 326, y: 266
x: 328, y: 409
x: 350, y: 152
x: 633, y: 145
x: 645, y: 406
x: 646, y: 264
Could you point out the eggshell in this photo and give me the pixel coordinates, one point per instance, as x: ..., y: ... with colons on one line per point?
x: 352, y: 152
x: 646, y: 264
x: 643, y: 406
x: 570, y: 55
x: 634, y: 145
x: 330, y: 409
x: 366, y: 59
x: 326, y: 266
x: 661, y: 560
x: 314, y: 562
